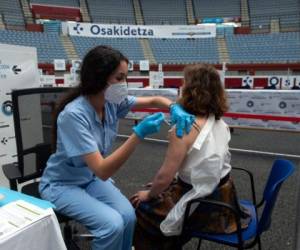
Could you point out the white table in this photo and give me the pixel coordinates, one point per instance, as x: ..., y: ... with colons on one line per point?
x: 42, y: 234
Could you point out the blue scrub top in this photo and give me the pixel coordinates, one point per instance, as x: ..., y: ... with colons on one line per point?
x: 80, y: 131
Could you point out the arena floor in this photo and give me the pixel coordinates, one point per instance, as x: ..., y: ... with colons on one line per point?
x: 142, y: 165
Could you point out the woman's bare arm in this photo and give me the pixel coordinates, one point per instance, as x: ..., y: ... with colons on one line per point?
x: 175, y: 155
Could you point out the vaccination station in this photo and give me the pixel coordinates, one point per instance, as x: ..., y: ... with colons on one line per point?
x: 149, y: 124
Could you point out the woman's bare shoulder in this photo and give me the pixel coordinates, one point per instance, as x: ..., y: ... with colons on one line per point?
x: 188, y: 139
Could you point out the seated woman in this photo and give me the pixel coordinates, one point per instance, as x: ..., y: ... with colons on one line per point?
x: 200, y: 161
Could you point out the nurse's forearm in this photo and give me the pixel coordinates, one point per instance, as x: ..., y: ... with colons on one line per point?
x: 161, y: 102
x: 152, y: 102
x: 114, y: 161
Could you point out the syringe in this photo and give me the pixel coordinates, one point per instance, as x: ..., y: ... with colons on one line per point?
x: 167, y: 122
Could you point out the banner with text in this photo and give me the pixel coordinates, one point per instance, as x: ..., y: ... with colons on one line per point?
x: 141, y: 31
x: 18, y: 69
x: 263, y: 109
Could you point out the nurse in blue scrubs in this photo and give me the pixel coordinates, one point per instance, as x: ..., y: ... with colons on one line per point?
x: 77, y: 175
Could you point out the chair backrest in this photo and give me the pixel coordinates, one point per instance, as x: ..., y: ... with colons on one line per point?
x: 33, y: 112
x: 281, y: 170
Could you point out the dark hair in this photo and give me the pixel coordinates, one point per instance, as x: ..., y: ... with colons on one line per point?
x: 97, y: 65
x: 203, y: 93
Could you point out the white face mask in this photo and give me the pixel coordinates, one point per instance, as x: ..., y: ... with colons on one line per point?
x: 116, y: 93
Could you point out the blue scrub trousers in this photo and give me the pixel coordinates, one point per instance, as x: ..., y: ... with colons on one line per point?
x: 99, y: 206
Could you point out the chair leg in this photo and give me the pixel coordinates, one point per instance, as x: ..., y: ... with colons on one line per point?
x: 67, y: 232
x: 72, y: 246
x: 240, y: 246
x: 199, y: 244
x: 259, y: 243
x: 68, y: 237
x: 180, y: 243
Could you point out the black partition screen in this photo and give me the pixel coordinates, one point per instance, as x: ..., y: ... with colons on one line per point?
x: 33, y: 117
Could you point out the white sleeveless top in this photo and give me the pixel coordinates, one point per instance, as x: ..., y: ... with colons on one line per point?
x: 206, y: 163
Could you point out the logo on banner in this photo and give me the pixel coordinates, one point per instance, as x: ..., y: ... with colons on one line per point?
x: 247, y: 82
x: 282, y: 105
x: 287, y: 82
x: 250, y: 104
x: 274, y: 82
x: 7, y: 108
x: 78, y: 28
x: 4, y: 140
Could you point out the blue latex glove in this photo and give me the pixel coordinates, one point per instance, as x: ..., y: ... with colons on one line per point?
x: 149, y: 125
x: 182, y: 119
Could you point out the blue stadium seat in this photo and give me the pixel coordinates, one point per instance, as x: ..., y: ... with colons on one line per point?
x: 261, y: 13
x: 264, y: 48
x: 182, y: 51
x: 48, y: 45
x: 129, y: 46
x: 216, y: 8
x: 12, y: 12
x: 113, y: 11
x: 71, y: 3
x: 164, y: 12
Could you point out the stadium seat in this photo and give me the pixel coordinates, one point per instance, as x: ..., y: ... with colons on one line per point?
x: 264, y: 48
x: 12, y: 13
x: 69, y: 3
x: 182, y: 51
x: 49, y: 46
x: 129, y: 46
x: 107, y: 12
x: 163, y: 12
x: 261, y: 13
x: 216, y: 8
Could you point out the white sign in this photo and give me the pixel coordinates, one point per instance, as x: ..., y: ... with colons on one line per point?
x: 18, y: 69
x: 141, y: 31
x: 156, y: 79
x: 47, y: 80
x: 144, y: 65
x: 59, y: 64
